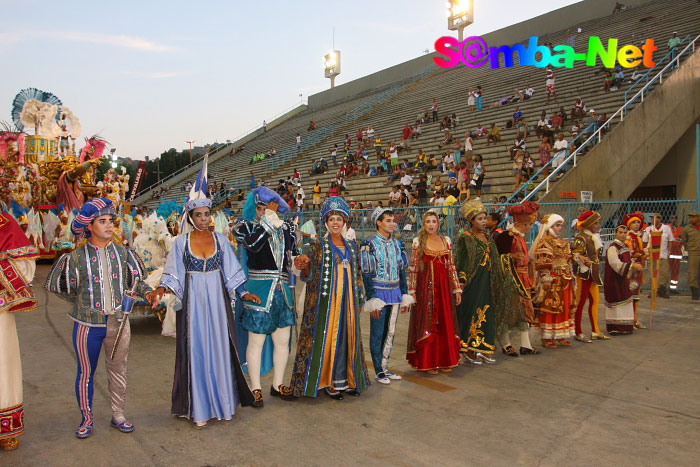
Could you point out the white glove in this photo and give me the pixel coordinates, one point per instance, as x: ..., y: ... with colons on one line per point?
x: 273, y: 218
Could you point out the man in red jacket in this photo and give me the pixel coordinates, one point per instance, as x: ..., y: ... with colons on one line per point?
x: 407, y: 132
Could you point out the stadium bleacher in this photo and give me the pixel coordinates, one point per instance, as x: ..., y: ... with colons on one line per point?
x: 450, y: 87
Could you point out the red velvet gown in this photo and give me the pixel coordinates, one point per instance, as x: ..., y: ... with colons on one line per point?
x: 433, y: 337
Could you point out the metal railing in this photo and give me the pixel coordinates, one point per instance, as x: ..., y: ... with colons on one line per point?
x: 596, y: 137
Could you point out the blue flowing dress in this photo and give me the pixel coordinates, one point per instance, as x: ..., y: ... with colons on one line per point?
x: 209, y: 382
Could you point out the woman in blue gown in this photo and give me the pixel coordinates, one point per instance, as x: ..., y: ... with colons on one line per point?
x: 203, y: 272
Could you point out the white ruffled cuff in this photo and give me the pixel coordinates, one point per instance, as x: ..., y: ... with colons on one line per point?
x: 407, y: 300
x: 373, y: 304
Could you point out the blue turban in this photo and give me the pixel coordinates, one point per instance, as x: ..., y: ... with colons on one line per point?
x: 334, y: 204
x: 264, y: 196
x: 94, y: 208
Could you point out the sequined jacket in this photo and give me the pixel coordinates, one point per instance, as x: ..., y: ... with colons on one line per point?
x: 383, y: 262
x: 77, y: 277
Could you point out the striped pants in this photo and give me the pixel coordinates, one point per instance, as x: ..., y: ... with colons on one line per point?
x: 87, y: 343
x: 381, y: 337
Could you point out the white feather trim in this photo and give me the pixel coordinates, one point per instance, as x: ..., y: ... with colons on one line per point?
x: 373, y: 304
x: 407, y: 300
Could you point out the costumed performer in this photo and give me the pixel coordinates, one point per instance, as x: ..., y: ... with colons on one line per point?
x: 203, y: 272
x: 619, y: 292
x: 587, y: 249
x: 95, y: 278
x: 384, y: 261
x: 484, y: 288
x: 270, y: 246
x: 329, y: 351
x: 634, y: 221
x: 554, y: 298
x: 17, y: 266
x: 433, y: 337
x: 515, y: 260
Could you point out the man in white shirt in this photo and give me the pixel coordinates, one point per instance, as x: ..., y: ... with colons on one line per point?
x: 560, y: 148
x: 448, y: 159
x: 407, y: 181
x: 666, y: 236
x: 394, y: 196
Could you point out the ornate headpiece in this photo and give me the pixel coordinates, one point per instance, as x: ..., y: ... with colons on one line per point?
x: 472, y: 208
x: 633, y: 216
x: 94, y: 208
x: 587, y: 219
x: 334, y: 204
x: 264, y: 196
x: 524, y: 212
x: 377, y: 213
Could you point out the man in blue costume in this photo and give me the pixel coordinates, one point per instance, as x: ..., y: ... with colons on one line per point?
x: 384, y: 262
x: 269, y: 245
x: 94, y: 277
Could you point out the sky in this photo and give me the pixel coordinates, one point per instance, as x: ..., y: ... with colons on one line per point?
x: 148, y: 75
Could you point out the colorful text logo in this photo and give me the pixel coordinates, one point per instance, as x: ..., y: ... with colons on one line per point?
x: 474, y: 53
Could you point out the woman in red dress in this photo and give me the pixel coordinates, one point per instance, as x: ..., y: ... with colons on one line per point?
x: 433, y: 338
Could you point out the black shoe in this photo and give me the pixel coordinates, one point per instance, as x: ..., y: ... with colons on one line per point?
x: 663, y: 293
x: 527, y: 351
x: 338, y: 396
x: 284, y: 393
x: 259, y: 399
x: 510, y: 351
x: 674, y: 291
x: 353, y: 392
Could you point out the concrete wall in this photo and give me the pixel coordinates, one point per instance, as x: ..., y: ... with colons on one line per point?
x: 678, y: 167
x: 622, y: 161
x: 553, y: 21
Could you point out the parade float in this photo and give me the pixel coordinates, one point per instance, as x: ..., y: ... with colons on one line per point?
x: 44, y: 178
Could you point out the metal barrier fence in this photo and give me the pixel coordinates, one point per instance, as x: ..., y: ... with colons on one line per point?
x: 409, y: 219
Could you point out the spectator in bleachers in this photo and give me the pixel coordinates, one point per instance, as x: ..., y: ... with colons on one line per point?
x: 575, y: 129
x: 518, y: 145
x: 529, y: 92
x: 273, y: 151
x: 438, y: 199
x: 453, y: 188
x: 394, y: 154
x: 479, y: 98
x: 297, y: 177
x: 312, y: 126
x: 522, y: 128
x: 542, y: 123
x: 528, y: 169
x: 446, y: 139
x: 557, y: 122
x: 413, y: 200
x: 394, y: 176
x: 378, y: 145
x: 187, y: 187
x: 560, y: 153
x: 370, y: 134
x: 550, y: 86
x: 455, y: 121
x: 673, y: 44
x: 252, y: 185
x: 592, y: 122
x: 517, y: 169
x: 570, y: 37
x: 417, y: 131
x: 394, y: 196
x: 317, y: 195
x: 438, y: 186
x: 493, y: 136
x: 478, y: 175
x: 406, y: 137
x: 619, y: 78
x: 579, y: 109
x: 545, y: 153
x: 359, y: 137
x: 333, y: 190
x: 464, y: 192
x: 422, y: 190
x: 406, y: 181
x: 298, y: 140
x: 517, y: 115
x: 471, y: 100
x: 334, y: 155
x: 608, y: 81
x: 434, y: 110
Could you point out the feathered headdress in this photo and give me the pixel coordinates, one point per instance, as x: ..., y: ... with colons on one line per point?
x: 94, y: 142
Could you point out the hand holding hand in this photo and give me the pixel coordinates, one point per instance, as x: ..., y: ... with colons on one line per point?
x: 154, y: 296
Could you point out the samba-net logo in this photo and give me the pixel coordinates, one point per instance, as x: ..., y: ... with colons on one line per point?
x: 474, y: 53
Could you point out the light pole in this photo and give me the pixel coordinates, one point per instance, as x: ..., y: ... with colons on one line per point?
x: 460, y: 14
x: 332, y: 65
x: 190, y: 143
x: 113, y: 157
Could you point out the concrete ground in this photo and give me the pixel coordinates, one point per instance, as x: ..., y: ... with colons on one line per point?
x: 632, y: 400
